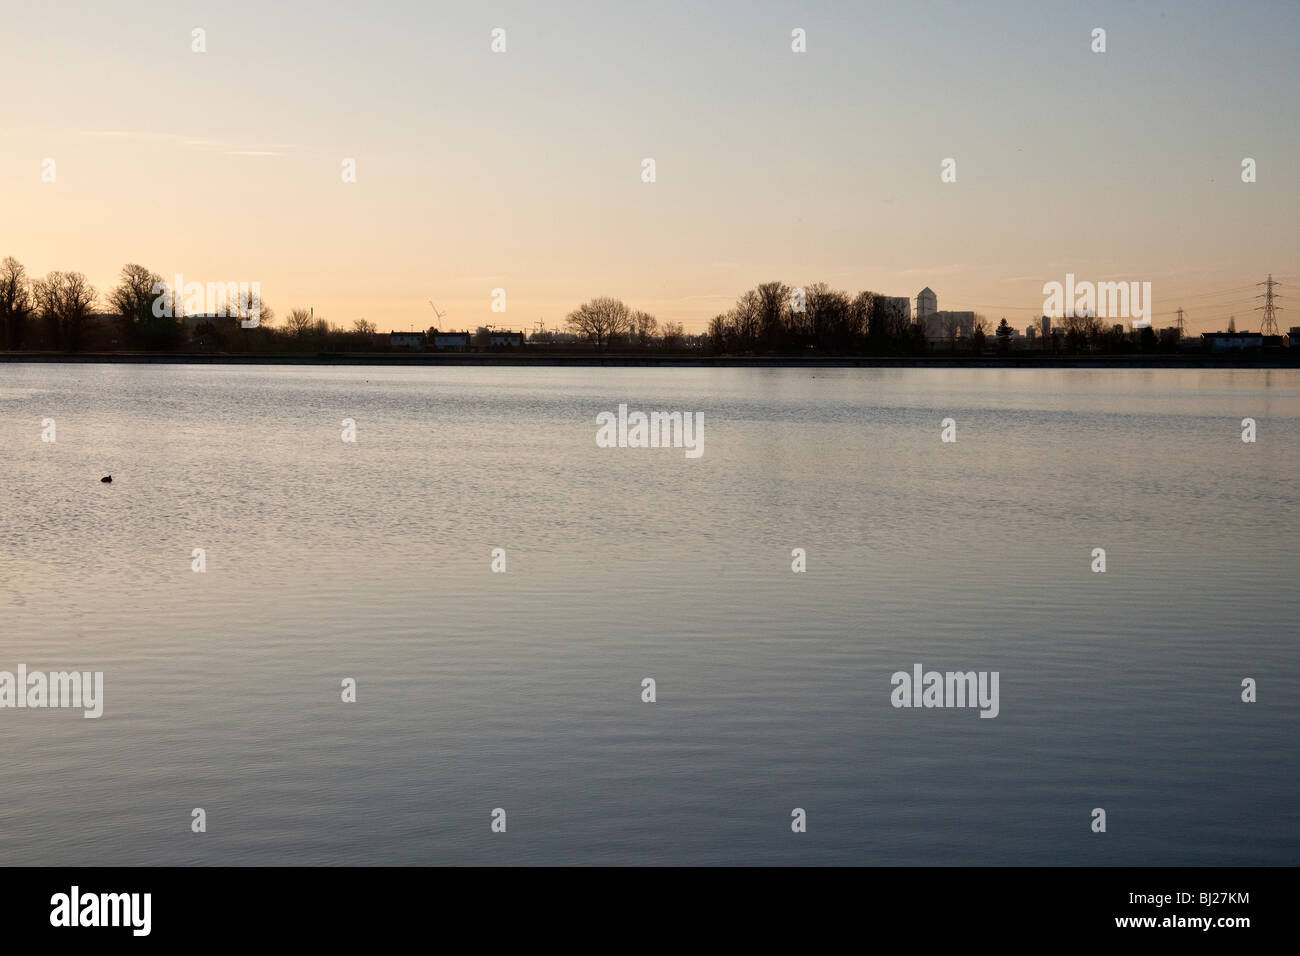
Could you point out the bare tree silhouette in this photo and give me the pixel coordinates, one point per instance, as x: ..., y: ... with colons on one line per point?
x: 601, y: 320
x: 63, y: 300
x: 15, y: 302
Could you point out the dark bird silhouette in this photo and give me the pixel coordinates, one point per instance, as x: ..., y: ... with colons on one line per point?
x: 108, y: 480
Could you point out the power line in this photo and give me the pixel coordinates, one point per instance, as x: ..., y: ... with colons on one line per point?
x: 1194, y: 297
x: 1217, y: 293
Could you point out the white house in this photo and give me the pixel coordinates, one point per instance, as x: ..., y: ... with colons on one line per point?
x: 406, y: 340
x: 443, y: 341
x: 1223, y: 341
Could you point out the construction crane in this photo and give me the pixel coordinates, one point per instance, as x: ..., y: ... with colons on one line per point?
x: 437, y: 314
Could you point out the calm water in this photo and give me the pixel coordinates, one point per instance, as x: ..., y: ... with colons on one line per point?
x: 521, y: 690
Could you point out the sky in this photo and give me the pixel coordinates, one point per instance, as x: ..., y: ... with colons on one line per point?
x: 522, y: 170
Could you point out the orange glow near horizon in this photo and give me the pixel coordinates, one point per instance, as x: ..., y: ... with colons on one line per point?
x: 521, y: 170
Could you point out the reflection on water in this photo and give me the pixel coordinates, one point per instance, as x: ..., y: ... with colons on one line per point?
x: 371, y: 560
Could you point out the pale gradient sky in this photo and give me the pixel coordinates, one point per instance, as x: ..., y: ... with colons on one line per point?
x: 522, y: 170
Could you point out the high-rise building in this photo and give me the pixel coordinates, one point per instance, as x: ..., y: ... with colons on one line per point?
x: 927, y: 304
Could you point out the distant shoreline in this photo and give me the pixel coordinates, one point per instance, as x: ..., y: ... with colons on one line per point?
x: 1196, y: 361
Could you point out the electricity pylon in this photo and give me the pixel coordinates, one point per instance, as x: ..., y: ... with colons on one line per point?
x: 1269, y: 325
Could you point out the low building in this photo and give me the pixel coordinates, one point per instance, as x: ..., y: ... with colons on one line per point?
x: 450, y: 341
x: 897, y: 306
x: 1295, y: 336
x: 949, y: 325
x: 1226, y: 341
x: 500, y: 339
x: 406, y: 340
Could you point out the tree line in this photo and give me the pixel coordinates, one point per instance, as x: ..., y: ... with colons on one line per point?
x: 775, y: 317
x: 605, y: 322
x: 54, y: 312
x: 772, y: 318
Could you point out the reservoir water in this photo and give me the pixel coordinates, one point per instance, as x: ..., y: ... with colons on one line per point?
x: 373, y: 559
